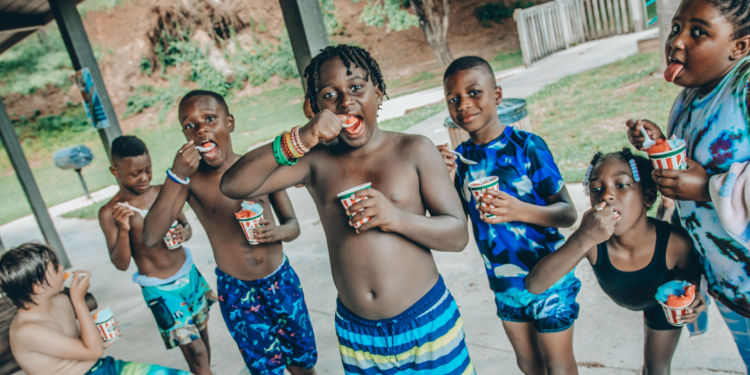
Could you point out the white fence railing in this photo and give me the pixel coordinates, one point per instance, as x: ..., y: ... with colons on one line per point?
x: 547, y: 28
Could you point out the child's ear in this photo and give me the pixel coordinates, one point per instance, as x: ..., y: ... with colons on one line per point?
x: 230, y: 122
x: 650, y: 197
x: 38, y: 288
x: 114, y: 171
x: 498, y: 94
x: 379, y: 95
x: 741, y: 48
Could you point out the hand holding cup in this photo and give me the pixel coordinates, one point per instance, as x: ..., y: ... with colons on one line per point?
x: 498, y: 207
x: 635, y: 136
x: 375, y: 207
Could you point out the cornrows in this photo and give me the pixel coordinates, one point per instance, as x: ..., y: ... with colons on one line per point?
x: 640, y: 167
x: 349, y: 55
x: 737, y: 12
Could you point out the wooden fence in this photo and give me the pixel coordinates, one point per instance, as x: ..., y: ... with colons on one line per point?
x: 550, y: 27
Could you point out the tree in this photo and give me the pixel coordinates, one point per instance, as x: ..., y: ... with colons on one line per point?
x: 665, y: 10
x: 430, y: 15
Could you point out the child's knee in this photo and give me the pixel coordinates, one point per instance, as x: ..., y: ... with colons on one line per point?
x: 195, y: 349
x: 530, y: 366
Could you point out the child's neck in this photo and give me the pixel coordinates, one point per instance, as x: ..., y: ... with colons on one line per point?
x: 633, y: 238
x: 488, y: 133
x: 127, y: 194
x: 708, y: 87
x: 42, y: 304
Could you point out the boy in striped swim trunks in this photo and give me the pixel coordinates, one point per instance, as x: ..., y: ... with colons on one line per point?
x: 394, y: 313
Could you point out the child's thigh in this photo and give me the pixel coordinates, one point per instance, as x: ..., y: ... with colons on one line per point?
x: 524, y: 339
x: 558, y: 347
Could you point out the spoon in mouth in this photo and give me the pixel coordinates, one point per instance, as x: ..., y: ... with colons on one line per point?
x: 350, y: 121
x: 205, y: 149
x: 463, y: 159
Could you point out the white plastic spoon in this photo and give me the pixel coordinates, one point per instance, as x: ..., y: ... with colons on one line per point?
x: 463, y: 159
x: 138, y: 210
x: 648, y: 142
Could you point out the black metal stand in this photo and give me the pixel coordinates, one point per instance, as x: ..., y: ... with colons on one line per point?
x: 80, y: 177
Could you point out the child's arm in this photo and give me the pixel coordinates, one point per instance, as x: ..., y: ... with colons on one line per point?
x: 444, y: 230
x: 450, y: 160
x: 257, y: 173
x: 172, y: 197
x: 597, y: 226
x: 42, y: 339
x: 288, y: 228
x: 543, y: 176
x: 183, y: 231
x: 115, y: 223
x: 688, y: 268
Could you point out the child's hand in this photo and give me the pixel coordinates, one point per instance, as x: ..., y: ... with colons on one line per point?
x: 122, y: 215
x: 267, y: 233
x: 688, y: 185
x: 106, y: 345
x: 186, y: 161
x: 180, y: 233
x: 635, y: 136
x: 378, y: 208
x: 450, y: 160
x: 79, y: 285
x: 505, y: 207
x: 694, y: 310
x: 323, y: 128
x: 597, y: 225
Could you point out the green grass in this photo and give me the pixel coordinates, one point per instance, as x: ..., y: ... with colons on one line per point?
x: 405, y: 122
x: 505, y: 60
x: 582, y: 114
x: 89, y: 212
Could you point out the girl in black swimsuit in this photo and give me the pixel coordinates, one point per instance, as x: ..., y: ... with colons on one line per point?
x: 632, y: 254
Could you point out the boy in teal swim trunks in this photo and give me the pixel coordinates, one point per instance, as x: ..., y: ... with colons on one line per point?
x: 44, y: 336
x: 178, y: 296
x: 531, y: 203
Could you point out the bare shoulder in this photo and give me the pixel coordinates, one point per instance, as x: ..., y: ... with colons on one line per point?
x: 62, y: 302
x: 106, y: 210
x: 414, y: 145
x: 680, y: 244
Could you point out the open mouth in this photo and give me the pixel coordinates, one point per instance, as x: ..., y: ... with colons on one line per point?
x: 674, y: 69
x: 617, y: 215
x: 354, y: 126
x: 208, y: 150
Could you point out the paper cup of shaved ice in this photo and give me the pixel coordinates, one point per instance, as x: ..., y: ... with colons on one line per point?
x: 675, y: 297
x: 249, y: 217
x: 479, y: 189
x: 668, y: 154
x: 347, y: 199
x: 170, y: 240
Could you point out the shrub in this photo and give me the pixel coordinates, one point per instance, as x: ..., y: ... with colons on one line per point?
x: 497, y: 12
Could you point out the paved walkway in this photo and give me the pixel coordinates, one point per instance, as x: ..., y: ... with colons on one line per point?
x: 608, y: 339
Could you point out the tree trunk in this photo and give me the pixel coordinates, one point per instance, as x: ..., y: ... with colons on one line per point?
x: 665, y: 10
x: 433, y: 18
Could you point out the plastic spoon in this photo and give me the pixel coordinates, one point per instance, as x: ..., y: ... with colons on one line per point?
x: 463, y: 159
x: 138, y: 210
x: 648, y: 142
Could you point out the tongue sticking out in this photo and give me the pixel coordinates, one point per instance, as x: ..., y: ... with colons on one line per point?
x: 672, y: 71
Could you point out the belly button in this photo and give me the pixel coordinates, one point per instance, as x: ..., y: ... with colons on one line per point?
x: 371, y: 295
x: 259, y: 261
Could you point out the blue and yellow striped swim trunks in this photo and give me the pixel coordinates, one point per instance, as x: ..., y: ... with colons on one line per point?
x: 427, y: 338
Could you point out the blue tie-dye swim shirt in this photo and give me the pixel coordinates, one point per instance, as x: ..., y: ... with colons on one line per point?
x: 527, y: 171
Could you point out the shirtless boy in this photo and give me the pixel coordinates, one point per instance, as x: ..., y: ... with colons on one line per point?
x: 174, y: 290
x: 44, y: 336
x: 260, y: 295
x: 394, y: 312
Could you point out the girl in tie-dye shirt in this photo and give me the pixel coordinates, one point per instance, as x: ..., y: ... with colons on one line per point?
x: 707, y: 53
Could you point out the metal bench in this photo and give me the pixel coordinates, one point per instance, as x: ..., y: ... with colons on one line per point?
x: 8, y: 364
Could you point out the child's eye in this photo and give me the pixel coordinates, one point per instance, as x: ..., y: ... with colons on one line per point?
x: 452, y: 100
x: 696, y: 32
x: 209, y: 118
x: 474, y: 93
x: 356, y: 87
x: 329, y: 95
x: 189, y: 126
x: 675, y: 29
x: 620, y: 186
x: 595, y: 190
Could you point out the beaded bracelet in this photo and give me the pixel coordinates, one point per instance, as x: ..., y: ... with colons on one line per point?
x: 278, y: 153
x: 299, y: 140
x: 290, y: 145
x: 285, y: 145
x: 176, y: 178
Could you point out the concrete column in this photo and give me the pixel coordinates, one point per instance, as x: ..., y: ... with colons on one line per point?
x: 82, y: 56
x: 21, y: 166
x: 307, y: 31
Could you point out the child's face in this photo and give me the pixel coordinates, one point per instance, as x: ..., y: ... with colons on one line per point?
x: 350, y: 95
x: 133, y: 173
x: 700, y: 48
x: 472, y: 98
x: 612, y: 182
x: 204, y: 120
x: 55, y: 277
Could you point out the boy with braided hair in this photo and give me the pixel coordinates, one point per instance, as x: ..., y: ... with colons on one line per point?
x: 394, y: 312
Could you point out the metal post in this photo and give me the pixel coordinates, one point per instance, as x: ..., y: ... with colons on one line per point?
x: 85, y: 189
x: 82, y: 56
x: 21, y: 166
x: 307, y: 31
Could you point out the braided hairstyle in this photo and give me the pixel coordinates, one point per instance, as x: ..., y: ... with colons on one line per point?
x: 737, y: 12
x: 643, y: 165
x: 348, y: 55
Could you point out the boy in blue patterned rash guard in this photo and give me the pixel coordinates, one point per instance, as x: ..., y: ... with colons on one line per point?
x: 531, y: 203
